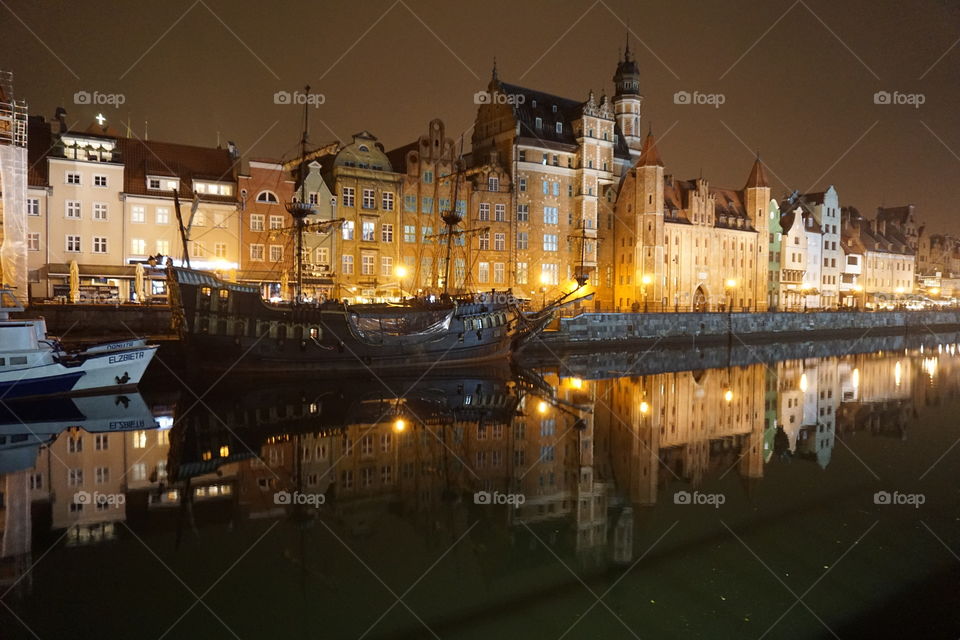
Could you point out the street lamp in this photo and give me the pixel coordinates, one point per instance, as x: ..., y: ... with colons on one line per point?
x: 899, y: 291
x: 730, y: 285
x: 401, y: 273
x: 399, y: 425
x: 644, y: 281
x: 859, y: 289
x: 544, y: 281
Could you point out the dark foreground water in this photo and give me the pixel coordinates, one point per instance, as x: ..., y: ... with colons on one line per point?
x: 797, y: 499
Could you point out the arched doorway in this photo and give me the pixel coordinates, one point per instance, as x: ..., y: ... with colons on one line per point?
x: 699, y: 300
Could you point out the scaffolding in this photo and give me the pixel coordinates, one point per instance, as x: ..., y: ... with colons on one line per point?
x: 13, y: 182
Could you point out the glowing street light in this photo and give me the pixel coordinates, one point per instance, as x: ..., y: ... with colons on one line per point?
x: 399, y: 425
x: 644, y: 407
x: 545, y: 279
x: 401, y: 272
x: 644, y: 281
x: 728, y: 395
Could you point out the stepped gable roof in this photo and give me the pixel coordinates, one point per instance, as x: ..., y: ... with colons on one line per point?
x: 189, y: 163
x: 541, y: 104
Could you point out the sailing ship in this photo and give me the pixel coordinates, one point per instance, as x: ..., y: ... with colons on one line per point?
x: 226, y: 325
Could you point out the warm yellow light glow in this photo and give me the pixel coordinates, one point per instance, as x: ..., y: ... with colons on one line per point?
x: 542, y: 406
x: 934, y: 291
x: 224, y: 451
x: 731, y: 283
x: 806, y: 286
x: 803, y: 382
x: 930, y: 366
x: 544, y: 278
x: 576, y: 383
x: 856, y: 378
x: 728, y: 395
x: 646, y: 279
x: 900, y: 289
x: 897, y: 373
x: 399, y: 425
x: 644, y: 408
x: 857, y: 288
x: 400, y: 271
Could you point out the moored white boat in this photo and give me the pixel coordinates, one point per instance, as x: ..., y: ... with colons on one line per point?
x: 31, y: 364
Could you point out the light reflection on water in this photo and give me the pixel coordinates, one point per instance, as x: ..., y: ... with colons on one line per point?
x: 692, y: 492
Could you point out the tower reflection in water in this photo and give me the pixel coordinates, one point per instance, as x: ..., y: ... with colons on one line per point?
x: 565, y: 458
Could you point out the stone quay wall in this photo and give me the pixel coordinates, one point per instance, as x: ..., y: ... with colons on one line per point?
x: 591, y: 328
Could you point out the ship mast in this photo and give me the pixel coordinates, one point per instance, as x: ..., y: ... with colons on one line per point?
x: 301, y: 209
x: 452, y: 218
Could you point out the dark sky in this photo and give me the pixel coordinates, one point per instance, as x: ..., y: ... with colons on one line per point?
x: 798, y: 77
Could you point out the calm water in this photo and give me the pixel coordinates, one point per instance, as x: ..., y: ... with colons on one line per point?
x: 803, y: 498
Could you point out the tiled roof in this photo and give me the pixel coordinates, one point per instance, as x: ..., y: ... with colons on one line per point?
x: 143, y: 157
x: 757, y: 177
x: 650, y: 155
x: 39, y: 140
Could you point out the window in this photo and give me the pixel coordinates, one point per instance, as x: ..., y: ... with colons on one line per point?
x: 348, y: 196
x: 99, y: 244
x: 367, y: 264
x: 386, y: 266
x: 99, y: 210
x: 556, y: 188
x: 75, y: 444
x: 484, y: 239
x: 73, y: 178
x: 196, y: 249
x: 538, y: 122
x: 101, y: 475
x: 483, y: 272
x: 347, y: 230
x: 427, y: 232
x: 33, y: 241
x: 323, y: 255
x: 314, y: 198
x: 499, y: 241
x: 523, y: 240
x: 426, y: 205
x: 387, y: 201
x: 498, y: 272
x: 267, y: 196
x: 74, y: 477
x: 33, y: 206
x: 484, y: 211
x: 559, y: 127
x: 522, y: 273
x: 256, y: 222
x: 347, y: 265
x: 276, y: 222
x: 410, y: 204
x: 163, y: 215
x: 163, y: 247
x: 256, y: 252
x: 552, y: 272
x: 546, y: 187
x: 493, y: 183
x: 369, y: 231
x: 153, y: 183
x: 386, y: 233
x: 138, y: 214
x: 522, y: 184
x: 409, y: 233
x: 500, y: 212
x: 73, y: 209
x: 368, y: 201
x: 276, y: 253
x: 99, y: 181
x: 550, y: 242
x: 428, y: 177
x: 551, y: 215
x: 220, y: 250
x: 73, y: 244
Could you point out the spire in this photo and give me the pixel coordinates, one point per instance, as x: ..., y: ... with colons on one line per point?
x: 493, y: 76
x: 626, y: 50
x: 758, y: 176
x: 650, y: 156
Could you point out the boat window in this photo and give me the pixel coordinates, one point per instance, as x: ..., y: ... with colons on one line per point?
x: 205, y: 291
x: 18, y: 360
x: 3, y: 361
x: 224, y: 293
x: 20, y: 437
x: 315, y: 333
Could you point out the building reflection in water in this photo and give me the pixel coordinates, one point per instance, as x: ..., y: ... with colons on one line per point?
x: 585, y: 455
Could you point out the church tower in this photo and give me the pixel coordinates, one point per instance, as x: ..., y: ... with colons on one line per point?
x: 756, y: 202
x: 627, y: 100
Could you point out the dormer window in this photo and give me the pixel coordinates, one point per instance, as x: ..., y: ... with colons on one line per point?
x: 493, y: 183
x: 213, y: 188
x: 156, y: 183
x: 364, y: 148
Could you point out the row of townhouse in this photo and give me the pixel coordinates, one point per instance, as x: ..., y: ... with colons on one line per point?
x: 824, y: 256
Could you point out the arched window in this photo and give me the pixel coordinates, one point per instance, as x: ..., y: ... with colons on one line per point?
x: 267, y: 196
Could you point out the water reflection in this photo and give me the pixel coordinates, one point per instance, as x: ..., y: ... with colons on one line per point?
x: 552, y: 455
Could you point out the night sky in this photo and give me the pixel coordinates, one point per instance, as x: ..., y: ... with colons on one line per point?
x: 798, y: 78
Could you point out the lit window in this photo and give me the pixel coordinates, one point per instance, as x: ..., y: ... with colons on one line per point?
x: 137, y: 214
x: 267, y: 196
